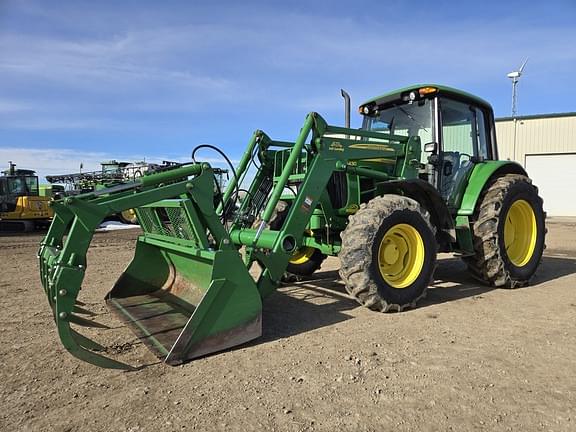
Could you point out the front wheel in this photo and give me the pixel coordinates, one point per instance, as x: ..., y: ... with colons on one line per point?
x: 509, y: 232
x: 129, y: 217
x: 305, y: 260
x: 388, y: 253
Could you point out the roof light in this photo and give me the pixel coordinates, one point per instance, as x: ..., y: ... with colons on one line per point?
x: 427, y: 90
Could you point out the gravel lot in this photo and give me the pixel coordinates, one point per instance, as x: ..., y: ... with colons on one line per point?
x: 468, y: 358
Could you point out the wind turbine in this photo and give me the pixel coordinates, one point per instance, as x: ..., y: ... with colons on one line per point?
x: 515, y: 77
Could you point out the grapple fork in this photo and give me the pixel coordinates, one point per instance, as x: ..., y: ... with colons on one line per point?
x: 175, y: 294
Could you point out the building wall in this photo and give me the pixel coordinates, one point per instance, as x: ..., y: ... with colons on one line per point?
x: 546, y: 147
x: 536, y: 135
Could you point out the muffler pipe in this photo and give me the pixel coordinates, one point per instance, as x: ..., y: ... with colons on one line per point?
x: 346, y: 97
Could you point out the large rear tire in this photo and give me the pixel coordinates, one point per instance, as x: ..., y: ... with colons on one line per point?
x: 509, y: 233
x: 388, y: 253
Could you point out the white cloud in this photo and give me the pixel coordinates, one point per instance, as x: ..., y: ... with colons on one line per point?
x: 54, y: 161
x: 280, y: 61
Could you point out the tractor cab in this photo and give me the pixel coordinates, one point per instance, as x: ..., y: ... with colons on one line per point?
x: 16, y: 183
x: 455, y: 130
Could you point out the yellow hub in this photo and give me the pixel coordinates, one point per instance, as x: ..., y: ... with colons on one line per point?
x: 129, y: 215
x: 520, y: 233
x: 302, y: 255
x: 401, y: 255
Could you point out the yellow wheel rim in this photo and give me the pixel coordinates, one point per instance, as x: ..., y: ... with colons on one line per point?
x: 129, y: 215
x: 302, y: 255
x: 520, y: 233
x: 401, y: 255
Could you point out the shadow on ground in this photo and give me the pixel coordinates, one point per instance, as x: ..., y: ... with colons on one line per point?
x: 453, y: 281
x: 322, y: 300
x: 316, y: 302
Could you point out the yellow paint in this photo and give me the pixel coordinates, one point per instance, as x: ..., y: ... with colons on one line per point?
x: 381, y: 160
x: 30, y: 207
x: 336, y: 146
x: 302, y: 255
x: 520, y: 233
x: 401, y: 255
x: 129, y: 215
x: 381, y: 147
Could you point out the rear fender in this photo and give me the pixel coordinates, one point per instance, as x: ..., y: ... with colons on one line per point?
x: 482, y: 174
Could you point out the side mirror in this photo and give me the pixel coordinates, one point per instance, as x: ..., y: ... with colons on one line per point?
x: 431, y: 147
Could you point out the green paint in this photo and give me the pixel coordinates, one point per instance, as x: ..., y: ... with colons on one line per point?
x: 464, y: 238
x: 442, y: 90
x: 188, y: 291
x: 480, y: 176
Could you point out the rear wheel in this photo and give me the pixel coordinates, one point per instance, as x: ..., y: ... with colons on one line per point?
x: 388, y: 253
x: 509, y: 232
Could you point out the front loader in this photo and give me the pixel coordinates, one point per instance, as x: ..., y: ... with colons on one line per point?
x: 420, y: 176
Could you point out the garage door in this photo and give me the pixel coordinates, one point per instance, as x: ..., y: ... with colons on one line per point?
x: 555, y: 176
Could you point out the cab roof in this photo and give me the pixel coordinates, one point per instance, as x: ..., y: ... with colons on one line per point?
x: 397, y: 95
x: 19, y: 173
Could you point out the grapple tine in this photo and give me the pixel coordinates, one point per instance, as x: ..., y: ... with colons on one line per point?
x: 86, y: 323
x: 83, y: 311
x: 85, y: 342
x: 77, y: 347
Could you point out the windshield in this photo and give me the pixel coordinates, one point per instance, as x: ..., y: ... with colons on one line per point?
x: 415, y: 119
x: 21, y: 186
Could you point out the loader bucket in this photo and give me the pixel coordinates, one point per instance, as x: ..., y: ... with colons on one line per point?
x: 186, y: 293
x: 184, y: 305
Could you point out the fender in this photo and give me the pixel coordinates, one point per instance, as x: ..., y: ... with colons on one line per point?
x: 481, y: 175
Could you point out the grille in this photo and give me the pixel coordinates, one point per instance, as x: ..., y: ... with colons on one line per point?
x: 167, y: 221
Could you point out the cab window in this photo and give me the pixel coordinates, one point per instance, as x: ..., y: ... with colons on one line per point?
x: 408, y: 119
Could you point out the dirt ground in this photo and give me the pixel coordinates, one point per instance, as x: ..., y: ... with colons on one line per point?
x: 468, y: 358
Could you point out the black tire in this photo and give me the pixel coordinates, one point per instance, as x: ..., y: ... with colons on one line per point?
x: 491, y: 262
x: 312, y: 260
x: 359, y: 256
x: 309, y: 266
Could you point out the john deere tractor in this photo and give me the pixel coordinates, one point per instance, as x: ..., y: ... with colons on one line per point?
x: 421, y: 176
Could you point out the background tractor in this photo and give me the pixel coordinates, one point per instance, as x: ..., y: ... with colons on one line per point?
x: 421, y: 176
x: 24, y: 206
x: 113, y: 173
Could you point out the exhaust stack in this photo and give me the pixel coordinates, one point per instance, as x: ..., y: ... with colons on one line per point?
x: 346, y: 97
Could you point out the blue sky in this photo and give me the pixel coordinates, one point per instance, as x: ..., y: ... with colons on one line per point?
x: 94, y: 80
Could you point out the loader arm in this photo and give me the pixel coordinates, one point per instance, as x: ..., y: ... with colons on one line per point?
x: 188, y: 291
x: 330, y: 149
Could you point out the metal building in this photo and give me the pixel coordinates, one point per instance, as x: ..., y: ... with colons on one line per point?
x: 546, y: 146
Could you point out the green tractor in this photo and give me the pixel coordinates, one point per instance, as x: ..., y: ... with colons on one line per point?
x: 421, y: 176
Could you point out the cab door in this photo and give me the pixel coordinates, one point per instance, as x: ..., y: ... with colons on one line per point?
x: 464, y: 142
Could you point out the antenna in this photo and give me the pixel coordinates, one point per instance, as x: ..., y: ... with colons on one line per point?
x: 515, y: 77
